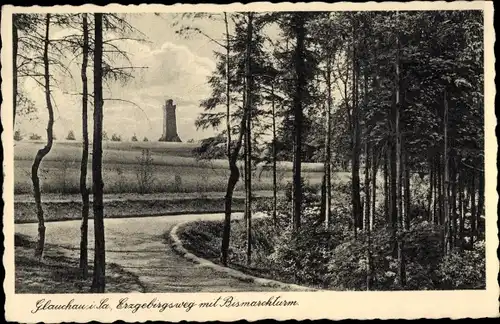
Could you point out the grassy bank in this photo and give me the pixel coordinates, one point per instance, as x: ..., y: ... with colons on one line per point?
x: 57, y: 273
x: 25, y: 212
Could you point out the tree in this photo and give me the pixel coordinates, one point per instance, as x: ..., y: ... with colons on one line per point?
x: 17, y: 136
x: 145, y: 139
x: 99, y: 278
x: 71, y: 136
x: 35, y: 137
x: 46, y: 149
x: 248, y: 134
x: 116, y: 138
x: 85, y: 153
x: 134, y: 138
x: 298, y: 27
x: 356, y: 199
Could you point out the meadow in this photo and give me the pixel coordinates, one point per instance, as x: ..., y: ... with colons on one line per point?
x: 173, y: 169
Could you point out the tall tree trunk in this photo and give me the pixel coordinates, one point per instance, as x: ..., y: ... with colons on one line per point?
x: 439, y: 189
x: 46, y: 149
x: 367, y: 205
x: 407, y: 201
x: 85, y: 154
x: 248, y: 137
x: 233, y: 179
x: 234, y: 176
x: 480, y: 204
x: 435, y: 190
x: 374, y: 186
x: 399, y: 149
x: 387, y: 193
x: 15, y: 44
x: 431, y: 187
x: 328, y: 154
x: 99, y: 278
x: 322, y: 205
x: 472, y: 194
x: 356, y: 199
x: 453, y: 217
x: 300, y: 71
x: 275, y: 184
x: 393, y: 186
x: 461, y: 206
x: 446, y: 187
x: 228, y: 92
x: 368, y: 218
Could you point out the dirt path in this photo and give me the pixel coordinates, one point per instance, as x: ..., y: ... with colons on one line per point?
x: 138, y: 245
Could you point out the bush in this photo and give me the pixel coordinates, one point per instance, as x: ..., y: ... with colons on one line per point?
x: 17, y: 136
x: 35, y: 137
x: 134, y: 138
x: 71, y: 136
x: 105, y: 136
x: 145, y: 139
x: 303, y: 257
x: 463, y: 269
x: 178, y: 182
x: 116, y: 138
x: 145, y: 172
x: 422, y: 251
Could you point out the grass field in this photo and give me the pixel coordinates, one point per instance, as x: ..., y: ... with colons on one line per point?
x: 173, y: 169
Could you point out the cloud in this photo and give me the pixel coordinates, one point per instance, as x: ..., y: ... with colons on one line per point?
x: 173, y: 72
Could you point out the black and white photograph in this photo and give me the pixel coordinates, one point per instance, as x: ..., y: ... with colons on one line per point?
x: 249, y: 150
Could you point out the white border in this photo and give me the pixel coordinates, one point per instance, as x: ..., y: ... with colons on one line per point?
x: 312, y: 305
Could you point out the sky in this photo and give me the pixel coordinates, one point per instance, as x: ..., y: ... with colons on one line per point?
x: 176, y: 67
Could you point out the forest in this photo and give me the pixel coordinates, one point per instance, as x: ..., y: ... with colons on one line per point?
x: 394, y: 98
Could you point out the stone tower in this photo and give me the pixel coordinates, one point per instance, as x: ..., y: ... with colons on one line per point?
x: 169, y: 123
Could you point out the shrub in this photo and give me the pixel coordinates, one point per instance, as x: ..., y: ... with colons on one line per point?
x: 105, y: 136
x: 463, y: 269
x: 71, y: 136
x: 303, y: 257
x: 422, y: 251
x: 35, y: 137
x: 178, y: 182
x: 17, y: 136
x: 134, y: 138
x: 145, y: 139
x: 116, y: 138
x: 145, y: 172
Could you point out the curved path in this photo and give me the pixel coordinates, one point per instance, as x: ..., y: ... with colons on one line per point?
x: 139, y: 246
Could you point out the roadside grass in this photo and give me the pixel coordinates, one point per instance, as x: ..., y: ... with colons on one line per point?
x: 57, y: 273
x: 25, y: 212
x: 204, y: 238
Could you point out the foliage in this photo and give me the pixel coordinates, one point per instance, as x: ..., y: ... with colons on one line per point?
x: 464, y: 269
x: 35, y: 137
x: 303, y: 256
x: 134, y: 138
x: 422, y: 249
x: 145, y: 139
x: 116, y: 138
x: 17, y: 136
x: 145, y: 172
x: 71, y: 136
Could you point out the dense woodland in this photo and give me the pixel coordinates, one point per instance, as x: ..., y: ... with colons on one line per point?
x: 395, y: 98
